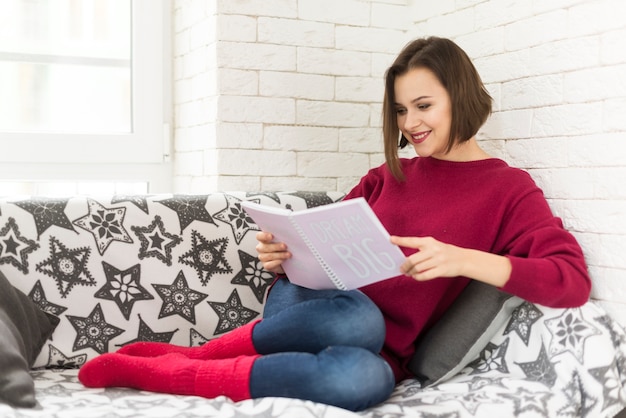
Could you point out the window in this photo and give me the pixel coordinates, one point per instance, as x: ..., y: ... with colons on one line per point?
x: 85, y: 92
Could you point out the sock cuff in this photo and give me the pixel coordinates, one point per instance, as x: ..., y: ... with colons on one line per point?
x: 245, y: 338
x: 237, y: 342
x: 228, y: 377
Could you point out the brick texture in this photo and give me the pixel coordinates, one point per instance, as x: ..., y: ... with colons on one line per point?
x: 294, y: 89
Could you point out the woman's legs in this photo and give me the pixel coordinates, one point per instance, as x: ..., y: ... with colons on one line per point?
x: 326, y: 344
x: 321, y: 346
x: 348, y: 377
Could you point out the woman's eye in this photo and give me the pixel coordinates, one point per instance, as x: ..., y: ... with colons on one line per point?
x: 400, y: 111
x: 423, y: 106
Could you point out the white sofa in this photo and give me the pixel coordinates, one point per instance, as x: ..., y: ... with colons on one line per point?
x: 183, y: 269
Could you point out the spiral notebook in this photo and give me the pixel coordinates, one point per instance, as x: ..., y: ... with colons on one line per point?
x: 341, y: 245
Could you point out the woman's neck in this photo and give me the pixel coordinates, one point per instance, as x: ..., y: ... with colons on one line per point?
x: 466, y: 151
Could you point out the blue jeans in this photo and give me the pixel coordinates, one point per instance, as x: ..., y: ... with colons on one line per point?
x: 321, y: 346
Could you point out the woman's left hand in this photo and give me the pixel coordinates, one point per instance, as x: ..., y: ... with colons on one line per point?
x: 436, y: 259
x: 433, y: 258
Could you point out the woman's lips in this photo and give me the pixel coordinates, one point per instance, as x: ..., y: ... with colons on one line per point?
x: 420, y: 137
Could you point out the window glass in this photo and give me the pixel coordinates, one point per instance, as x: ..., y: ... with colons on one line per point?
x: 85, y: 96
x: 65, y: 66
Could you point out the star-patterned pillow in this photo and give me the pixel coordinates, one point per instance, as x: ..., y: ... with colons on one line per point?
x: 180, y: 269
x: 462, y: 332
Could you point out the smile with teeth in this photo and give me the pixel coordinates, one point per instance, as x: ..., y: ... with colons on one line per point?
x: 419, y: 137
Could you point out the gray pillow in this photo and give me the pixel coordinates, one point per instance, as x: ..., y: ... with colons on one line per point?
x: 24, y: 329
x: 462, y: 332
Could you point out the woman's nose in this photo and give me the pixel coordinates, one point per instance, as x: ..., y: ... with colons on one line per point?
x: 412, y: 120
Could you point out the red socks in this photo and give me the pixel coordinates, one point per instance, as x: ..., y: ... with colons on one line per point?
x: 219, y: 367
x: 172, y: 373
x: 237, y: 342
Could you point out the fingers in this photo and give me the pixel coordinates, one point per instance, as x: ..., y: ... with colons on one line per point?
x: 421, y: 271
x: 431, y: 260
x: 270, y: 253
x: 264, y: 237
x: 418, y: 264
x: 407, y: 242
x: 274, y: 267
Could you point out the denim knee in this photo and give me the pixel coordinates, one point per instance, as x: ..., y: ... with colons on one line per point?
x: 356, y: 378
x: 359, y: 322
x: 304, y: 320
x: 347, y: 377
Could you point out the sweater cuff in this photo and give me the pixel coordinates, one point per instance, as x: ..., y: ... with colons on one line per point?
x: 541, y: 281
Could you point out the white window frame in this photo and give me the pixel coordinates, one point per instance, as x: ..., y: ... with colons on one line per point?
x: 143, y: 154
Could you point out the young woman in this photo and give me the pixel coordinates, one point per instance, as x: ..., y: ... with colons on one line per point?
x: 457, y: 213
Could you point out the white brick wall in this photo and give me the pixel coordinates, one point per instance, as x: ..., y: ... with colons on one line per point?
x: 293, y: 88
x: 290, y: 81
x: 557, y: 72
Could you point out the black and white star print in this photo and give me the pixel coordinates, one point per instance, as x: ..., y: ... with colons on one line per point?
x: 522, y: 320
x: 526, y: 401
x: 155, y: 241
x: 469, y: 401
x: 491, y: 358
x: 47, y: 213
x: 314, y: 199
x: 67, y: 267
x: 272, y: 195
x: 105, y: 224
x: 253, y: 275
x: 540, y: 370
x: 93, y: 331
x: 206, y: 257
x: 147, y: 334
x: 480, y: 382
x: 196, y: 339
x: 237, y: 218
x: 123, y: 287
x: 189, y: 209
x: 38, y: 296
x: 609, y: 378
x: 232, y: 314
x: 179, y: 299
x: 580, y: 401
x: 56, y: 359
x: 569, y: 332
x: 140, y: 201
x: 14, y: 247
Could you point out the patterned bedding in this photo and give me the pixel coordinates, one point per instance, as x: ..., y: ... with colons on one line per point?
x: 71, y: 257
x: 542, y: 363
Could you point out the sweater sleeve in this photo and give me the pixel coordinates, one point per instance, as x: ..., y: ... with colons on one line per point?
x: 365, y: 187
x: 548, y: 265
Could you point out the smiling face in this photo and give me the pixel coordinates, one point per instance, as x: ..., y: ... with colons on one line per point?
x: 424, y: 112
x: 431, y: 117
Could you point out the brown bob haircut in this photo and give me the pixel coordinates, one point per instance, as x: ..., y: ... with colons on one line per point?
x: 470, y: 101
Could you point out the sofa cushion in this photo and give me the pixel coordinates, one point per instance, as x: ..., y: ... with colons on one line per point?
x: 462, y: 332
x: 180, y: 269
x: 24, y: 328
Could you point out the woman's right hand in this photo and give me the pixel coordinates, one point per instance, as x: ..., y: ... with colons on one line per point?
x: 271, y: 254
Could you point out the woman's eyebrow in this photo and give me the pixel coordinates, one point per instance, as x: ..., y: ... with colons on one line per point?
x: 415, y: 100
x: 421, y: 98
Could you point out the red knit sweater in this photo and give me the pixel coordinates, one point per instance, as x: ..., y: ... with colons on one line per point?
x: 484, y: 205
